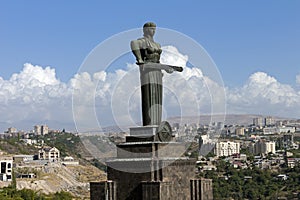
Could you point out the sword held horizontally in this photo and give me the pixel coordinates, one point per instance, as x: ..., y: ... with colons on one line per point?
x: 167, y: 68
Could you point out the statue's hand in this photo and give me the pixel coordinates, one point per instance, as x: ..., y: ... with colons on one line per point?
x: 140, y: 62
x: 169, y: 70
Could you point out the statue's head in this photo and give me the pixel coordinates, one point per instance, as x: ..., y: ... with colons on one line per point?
x: 149, y: 28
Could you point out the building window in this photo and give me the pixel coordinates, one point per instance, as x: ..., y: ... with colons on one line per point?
x: 3, y: 167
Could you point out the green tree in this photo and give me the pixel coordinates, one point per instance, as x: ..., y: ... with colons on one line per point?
x: 62, y: 196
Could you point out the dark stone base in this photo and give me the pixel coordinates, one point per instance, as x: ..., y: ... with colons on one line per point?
x: 147, y: 169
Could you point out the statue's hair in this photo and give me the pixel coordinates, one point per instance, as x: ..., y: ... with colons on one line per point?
x: 148, y: 25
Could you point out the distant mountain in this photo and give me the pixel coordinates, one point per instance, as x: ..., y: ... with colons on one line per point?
x: 230, y: 119
x: 240, y: 119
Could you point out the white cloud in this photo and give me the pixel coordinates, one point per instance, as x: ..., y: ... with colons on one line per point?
x: 263, y: 94
x: 32, y: 95
x: 35, y: 76
x: 32, y: 85
x: 298, y: 79
x: 35, y: 95
x: 172, y: 56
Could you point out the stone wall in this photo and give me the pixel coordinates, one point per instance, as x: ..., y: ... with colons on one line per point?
x: 201, y: 189
x: 179, y: 173
x: 129, y: 184
x: 105, y: 190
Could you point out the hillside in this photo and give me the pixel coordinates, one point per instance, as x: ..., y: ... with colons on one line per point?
x: 13, y: 146
x: 52, y: 177
x: 55, y: 177
x: 68, y: 144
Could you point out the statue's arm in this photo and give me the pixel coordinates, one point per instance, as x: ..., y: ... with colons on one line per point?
x: 136, y: 46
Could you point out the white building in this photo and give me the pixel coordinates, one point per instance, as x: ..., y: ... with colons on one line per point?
x: 29, y: 141
x: 22, y: 158
x: 240, y: 131
x: 270, y: 147
x: 205, y: 139
x: 69, y: 161
x: 284, y: 129
x: 11, y: 130
x: 278, y: 130
x: 270, y: 130
x: 6, y: 164
x: 49, y: 153
x: 227, y: 148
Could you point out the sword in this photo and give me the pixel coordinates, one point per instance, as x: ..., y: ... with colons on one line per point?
x: 168, y: 68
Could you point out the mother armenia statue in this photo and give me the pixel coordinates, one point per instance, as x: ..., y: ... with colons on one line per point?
x: 147, y: 53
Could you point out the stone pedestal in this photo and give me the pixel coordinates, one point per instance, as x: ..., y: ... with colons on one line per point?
x: 143, y: 131
x: 146, y: 168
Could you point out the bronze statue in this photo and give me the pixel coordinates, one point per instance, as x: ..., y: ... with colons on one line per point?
x: 147, y: 53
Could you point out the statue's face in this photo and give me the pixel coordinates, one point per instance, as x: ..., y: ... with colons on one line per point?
x: 150, y: 31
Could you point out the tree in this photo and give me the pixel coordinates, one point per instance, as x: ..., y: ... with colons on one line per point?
x: 62, y: 196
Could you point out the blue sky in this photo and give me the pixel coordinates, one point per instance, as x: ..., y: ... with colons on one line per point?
x: 255, y: 45
x: 241, y: 36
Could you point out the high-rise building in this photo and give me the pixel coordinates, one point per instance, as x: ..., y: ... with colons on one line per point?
x: 269, y: 121
x: 227, y: 148
x: 258, y: 121
x: 264, y: 147
x: 41, y: 130
x: 37, y: 130
x: 270, y: 147
x: 44, y: 129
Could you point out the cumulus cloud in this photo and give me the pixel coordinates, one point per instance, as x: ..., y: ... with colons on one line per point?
x: 172, y: 56
x: 35, y: 95
x: 31, y: 95
x: 263, y: 94
x: 298, y: 79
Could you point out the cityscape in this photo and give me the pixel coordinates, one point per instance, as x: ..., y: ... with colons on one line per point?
x: 37, y: 160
